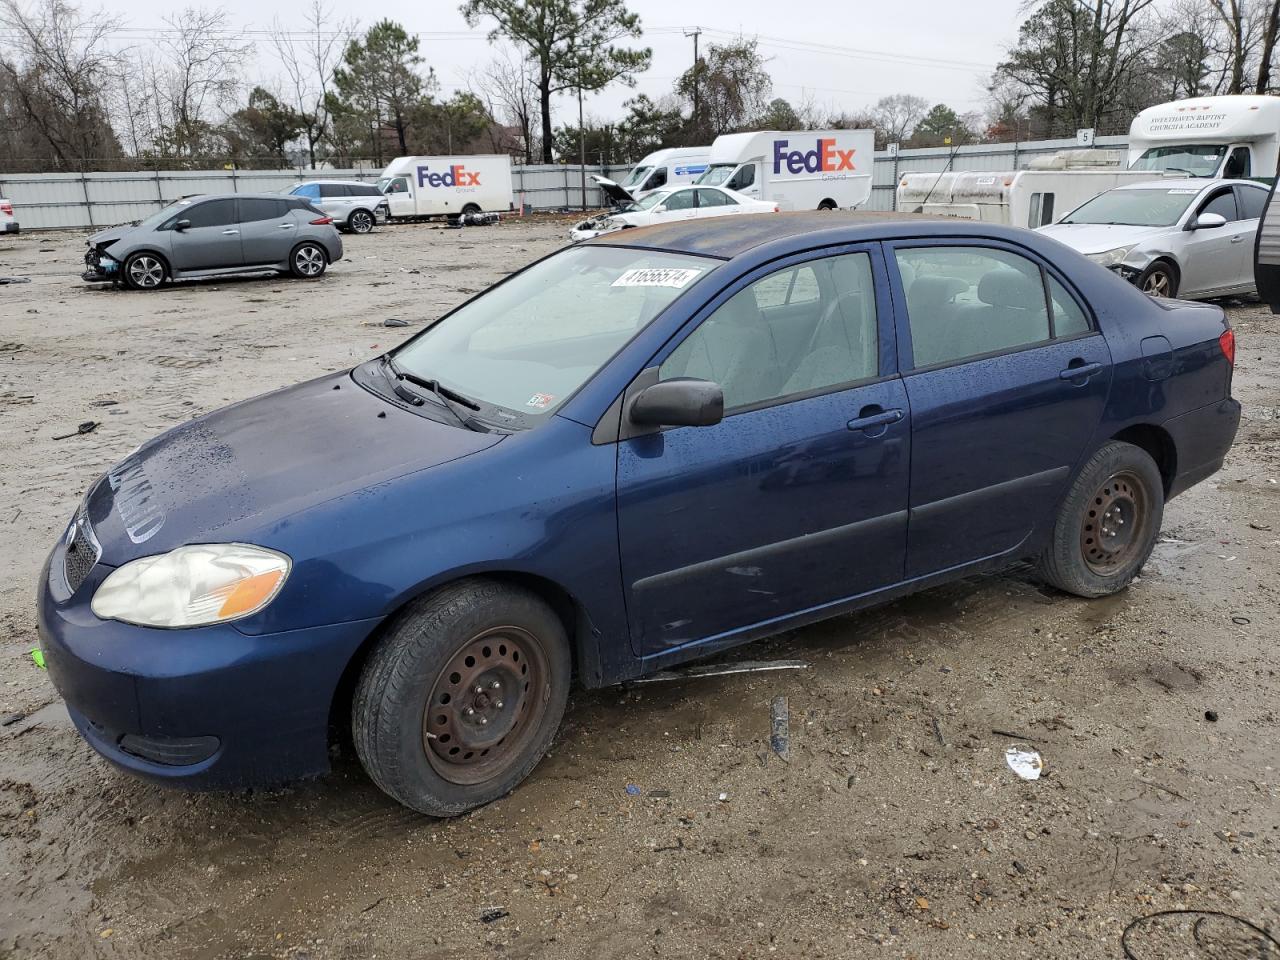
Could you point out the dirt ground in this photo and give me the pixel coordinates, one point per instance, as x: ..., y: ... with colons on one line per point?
x: 895, y: 829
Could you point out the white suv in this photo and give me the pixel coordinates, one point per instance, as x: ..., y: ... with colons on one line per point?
x: 354, y: 206
x: 8, y: 223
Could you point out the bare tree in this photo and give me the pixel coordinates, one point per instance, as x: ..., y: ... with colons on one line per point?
x: 308, y: 63
x: 896, y: 115
x: 508, y: 87
x: 55, y: 70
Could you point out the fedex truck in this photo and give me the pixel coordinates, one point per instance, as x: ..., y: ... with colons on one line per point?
x: 447, y: 186
x: 800, y: 170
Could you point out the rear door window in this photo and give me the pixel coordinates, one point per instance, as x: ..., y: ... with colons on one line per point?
x: 708, y: 197
x: 1252, y: 200
x: 329, y: 191
x: 259, y: 208
x: 364, y: 190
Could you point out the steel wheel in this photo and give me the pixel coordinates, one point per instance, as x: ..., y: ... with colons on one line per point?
x: 361, y: 221
x: 485, y: 705
x: 1114, y: 527
x: 308, y: 261
x: 145, y: 271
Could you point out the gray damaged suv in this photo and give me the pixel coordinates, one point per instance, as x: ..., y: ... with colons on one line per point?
x: 205, y: 236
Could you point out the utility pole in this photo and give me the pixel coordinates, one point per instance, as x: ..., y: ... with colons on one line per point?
x: 582, y: 142
x: 696, y: 32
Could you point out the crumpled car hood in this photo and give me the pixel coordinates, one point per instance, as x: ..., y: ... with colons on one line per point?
x: 110, y: 235
x: 245, y: 468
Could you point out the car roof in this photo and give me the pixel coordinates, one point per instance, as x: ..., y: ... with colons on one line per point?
x: 1174, y: 183
x: 349, y: 183
x: 728, y: 237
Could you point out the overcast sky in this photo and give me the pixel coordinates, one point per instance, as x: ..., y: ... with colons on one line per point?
x: 842, y: 55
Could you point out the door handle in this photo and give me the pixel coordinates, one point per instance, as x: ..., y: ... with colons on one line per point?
x: 229, y: 233
x: 875, y: 416
x: 284, y: 226
x: 1079, y: 370
x: 1239, y: 238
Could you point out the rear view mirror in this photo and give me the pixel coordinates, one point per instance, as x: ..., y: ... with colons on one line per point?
x: 1207, y: 221
x: 182, y: 225
x: 679, y: 403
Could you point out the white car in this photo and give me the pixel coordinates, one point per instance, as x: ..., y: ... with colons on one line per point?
x: 1190, y: 238
x: 8, y: 223
x: 669, y: 205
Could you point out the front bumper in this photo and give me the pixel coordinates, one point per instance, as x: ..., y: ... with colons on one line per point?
x: 205, y: 708
x: 9, y: 226
x: 99, y: 267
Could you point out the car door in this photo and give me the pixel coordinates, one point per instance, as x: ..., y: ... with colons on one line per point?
x: 680, y: 205
x: 399, y: 199
x: 268, y: 230
x: 797, y: 499
x: 1006, y: 387
x: 211, y: 238
x: 1250, y: 202
x: 1208, y: 256
x: 335, y: 200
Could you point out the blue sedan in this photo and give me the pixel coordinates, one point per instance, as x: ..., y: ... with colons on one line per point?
x: 634, y: 452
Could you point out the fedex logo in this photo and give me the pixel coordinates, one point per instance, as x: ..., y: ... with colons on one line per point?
x: 824, y: 159
x: 458, y: 176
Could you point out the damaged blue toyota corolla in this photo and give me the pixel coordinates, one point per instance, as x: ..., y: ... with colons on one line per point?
x: 634, y: 452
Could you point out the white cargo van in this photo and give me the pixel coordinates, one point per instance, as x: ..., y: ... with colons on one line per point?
x: 665, y: 168
x: 1225, y: 137
x: 447, y: 186
x: 1021, y: 198
x: 799, y: 170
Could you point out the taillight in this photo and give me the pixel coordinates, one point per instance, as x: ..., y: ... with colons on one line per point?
x: 776, y: 208
x: 6, y: 208
x: 321, y: 221
x: 1228, y: 344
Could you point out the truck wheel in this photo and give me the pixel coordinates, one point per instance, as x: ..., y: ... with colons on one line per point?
x: 470, y: 208
x: 1159, y: 280
x: 827, y: 204
x: 462, y: 697
x: 1107, y: 523
x: 360, y: 221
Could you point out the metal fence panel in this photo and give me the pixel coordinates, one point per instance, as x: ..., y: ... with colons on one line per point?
x: 89, y: 200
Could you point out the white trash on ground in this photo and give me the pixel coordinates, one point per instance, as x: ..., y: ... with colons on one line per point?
x: 1025, y: 763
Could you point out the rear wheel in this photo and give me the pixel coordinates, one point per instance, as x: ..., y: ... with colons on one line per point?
x: 462, y: 697
x: 360, y: 221
x: 308, y: 261
x: 1159, y: 280
x: 144, y: 271
x: 1107, y: 524
x: 827, y: 204
x: 469, y: 209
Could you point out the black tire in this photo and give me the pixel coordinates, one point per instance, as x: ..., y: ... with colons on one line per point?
x: 308, y: 260
x: 1107, y: 524
x: 827, y: 204
x: 144, y: 271
x: 1159, y: 280
x: 360, y: 221
x: 443, y: 743
x: 470, y: 208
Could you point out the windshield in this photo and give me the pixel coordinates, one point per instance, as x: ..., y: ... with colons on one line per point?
x: 521, y: 349
x: 160, y: 216
x: 1199, y: 160
x: 636, y: 176
x: 651, y: 201
x: 1141, y: 208
x: 717, y: 174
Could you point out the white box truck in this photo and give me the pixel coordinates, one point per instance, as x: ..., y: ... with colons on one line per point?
x: 1022, y: 198
x: 797, y: 170
x: 664, y: 168
x: 1231, y: 137
x: 447, y: 186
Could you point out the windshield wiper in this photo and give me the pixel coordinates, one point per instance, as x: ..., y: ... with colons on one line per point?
x: 449, y: 399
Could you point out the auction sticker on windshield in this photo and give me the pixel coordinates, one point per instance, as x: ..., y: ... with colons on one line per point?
x: 674, y: 277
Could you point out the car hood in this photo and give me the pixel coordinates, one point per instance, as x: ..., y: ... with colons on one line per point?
x: 249, y: 467
x: 110, y: 235
x: 1100, y: 237
x: 613, y: 191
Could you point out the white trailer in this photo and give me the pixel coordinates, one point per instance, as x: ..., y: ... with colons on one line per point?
x: 1020, y: 198
x: 447, y: 186
x: 666, y: 168
x: 1233, y: 137
x: 797, y: 170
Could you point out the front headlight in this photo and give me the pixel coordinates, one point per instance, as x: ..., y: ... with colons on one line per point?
x: 1110, y: 257
x: 192, y: 586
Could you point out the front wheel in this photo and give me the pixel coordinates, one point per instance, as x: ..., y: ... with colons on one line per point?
x: 462, y: 697
x: 360, y: 221
x: 144, y: 271
x: 827, y: 205
x: 1107, y: 524
x: 1159, y: 280
x: 308, y: 261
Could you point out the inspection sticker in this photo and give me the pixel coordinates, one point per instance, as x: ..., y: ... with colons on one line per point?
x: 1183, y: 190
x: 540, y: 401
x: 676, y: 277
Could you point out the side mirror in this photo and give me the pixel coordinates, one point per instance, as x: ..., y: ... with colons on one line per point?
x: 660, y: 208
x: 678, y: 403
x: 182, y: 225
x: 1207, y: 221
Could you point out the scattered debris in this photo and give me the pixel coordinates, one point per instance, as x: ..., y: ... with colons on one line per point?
x: 1211, y: 716
x: 87, y: 427
x: 493, y: 914
x: 1025, y: 763
x: 723, y: 669
x: 660, y: 794
x: 1236, y: 941
x: 104, y: 403
x: 395, y: 322
x: 1015, y: 736
x: 723, y: 798
x: 633, y: 790
x: 37, y: 657
x: 4, y: 280
x: 1241, y: 621
x: 1259, y: 526
x: 13, y: 718
x: 780, y: 729
x: 937, y: 731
